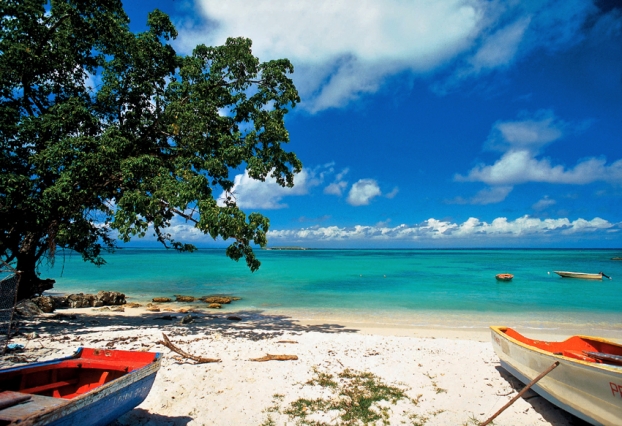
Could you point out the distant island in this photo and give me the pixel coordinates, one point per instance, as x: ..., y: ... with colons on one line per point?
x: 285, y: 248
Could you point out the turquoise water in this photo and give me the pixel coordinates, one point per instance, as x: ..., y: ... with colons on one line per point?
x: 413, y: 287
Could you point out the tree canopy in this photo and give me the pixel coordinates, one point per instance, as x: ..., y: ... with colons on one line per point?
x: 107, y: 134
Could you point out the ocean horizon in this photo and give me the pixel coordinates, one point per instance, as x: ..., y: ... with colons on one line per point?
x: 453, y: 288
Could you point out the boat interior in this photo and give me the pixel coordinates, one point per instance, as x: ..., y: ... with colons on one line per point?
x: 71, y: 377
x: 577, y: 347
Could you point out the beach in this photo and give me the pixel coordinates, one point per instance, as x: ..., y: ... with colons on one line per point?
x: 431, y: 376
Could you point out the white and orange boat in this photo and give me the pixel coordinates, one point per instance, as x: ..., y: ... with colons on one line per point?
x: 587, y: 382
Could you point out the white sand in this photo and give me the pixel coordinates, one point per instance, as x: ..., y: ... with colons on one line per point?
x: 452, y: 377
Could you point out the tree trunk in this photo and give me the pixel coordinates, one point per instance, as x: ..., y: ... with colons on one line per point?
x: 30, y: 284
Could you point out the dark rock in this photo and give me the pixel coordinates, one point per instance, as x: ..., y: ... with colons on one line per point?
x: 60, y: 302
x: 108, y: 298
x: 45, y: 303
x: 234, y: 318
x: 27, y: 308
x: 187, y: 319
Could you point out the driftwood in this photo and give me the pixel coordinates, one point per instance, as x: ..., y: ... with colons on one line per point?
x: 269, y: 357
x: 200, y: 360
x: 287, y: 341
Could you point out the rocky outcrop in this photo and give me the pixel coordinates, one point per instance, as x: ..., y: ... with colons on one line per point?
x: 161, y: 299
x: 48, y: 304
x: 221, y: 300
x: 179, y: 298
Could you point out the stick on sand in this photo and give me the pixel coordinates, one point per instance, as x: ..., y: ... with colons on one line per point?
x: 174, y: 348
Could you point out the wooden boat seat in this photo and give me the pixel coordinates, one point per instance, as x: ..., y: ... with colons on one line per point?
x: 10, y: 398
x: 33, y: 405
x: 605, y: 358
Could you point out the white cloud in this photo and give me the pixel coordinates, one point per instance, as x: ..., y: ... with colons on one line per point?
x: 393, y: 193
x: 342, y: 49
x: 433, y: 229
x: 491, y: 195
x: 255, y: 194
x: 517, y: 167
x: 544, y: 203
x: 362, y: 192
x: 339, y: 185
x: 499, y: 49
x: 521, y: 142
x: 529, y: 133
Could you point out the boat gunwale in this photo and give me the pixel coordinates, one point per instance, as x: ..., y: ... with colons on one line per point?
x: 603, y: 366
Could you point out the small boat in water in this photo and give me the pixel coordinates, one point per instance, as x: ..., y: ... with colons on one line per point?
x: 91, y: 387
x: 585, y: 276
x: 504, y: 277
x: 587, y: 382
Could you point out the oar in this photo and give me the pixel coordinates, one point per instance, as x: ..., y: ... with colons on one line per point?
x: 605, y: 275
x: 525, y: 389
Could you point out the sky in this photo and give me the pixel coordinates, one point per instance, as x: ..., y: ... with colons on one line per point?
x: 433, y: 123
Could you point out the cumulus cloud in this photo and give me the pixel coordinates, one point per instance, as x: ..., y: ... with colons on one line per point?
x: 363, y: 191
x: 434, y: 229
x: 255, y: 194
x: 521, y: 141
x: 339, y: 185
x: 345, y: 49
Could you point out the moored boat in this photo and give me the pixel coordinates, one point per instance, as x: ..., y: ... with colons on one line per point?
x: 91, y: 387
x: 587, y: 382
x: 583, y: 275
x: 504, y: 277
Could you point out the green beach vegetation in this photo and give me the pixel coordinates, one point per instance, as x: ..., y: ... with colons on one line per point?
x: 108, y: 134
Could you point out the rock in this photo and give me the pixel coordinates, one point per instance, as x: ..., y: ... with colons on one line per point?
x: 110, y: 298
x: 81, y: 300
x: 153, y: 309
x: 118, y: 309
x: 214, y: 306
x: 45, y: 303
x: 222, y: 300
x: 234, y: 318
x: 60, y: 302
x: 27, y: 308
x: 184, y: 310
x: 133, y: 305
x: 168, y: 310
x: 161, y: 299
x: 187, y: 319
x: 179, y: 298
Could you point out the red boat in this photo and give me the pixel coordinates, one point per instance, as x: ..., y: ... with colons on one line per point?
x: 91, y: 387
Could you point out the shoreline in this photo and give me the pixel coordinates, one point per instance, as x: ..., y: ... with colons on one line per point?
x: 427, y: 365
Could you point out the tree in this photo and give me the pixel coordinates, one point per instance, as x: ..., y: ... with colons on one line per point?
x: 104, y: 131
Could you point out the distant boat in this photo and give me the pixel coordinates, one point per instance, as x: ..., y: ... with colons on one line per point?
x: 91, y: 387
x: 586, y: 276
x: 504, y: 277
x: 616, y: 258
x: 587, y: 382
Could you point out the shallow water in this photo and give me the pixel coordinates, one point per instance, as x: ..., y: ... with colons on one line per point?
x: 453, y: 288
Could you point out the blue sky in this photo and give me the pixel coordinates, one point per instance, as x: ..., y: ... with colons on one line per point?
x: 449, y: 123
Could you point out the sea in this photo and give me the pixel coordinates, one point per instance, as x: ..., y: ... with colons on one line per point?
x: 384, y: 288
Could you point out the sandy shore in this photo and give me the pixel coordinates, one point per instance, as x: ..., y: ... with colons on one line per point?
x: 435, y: 376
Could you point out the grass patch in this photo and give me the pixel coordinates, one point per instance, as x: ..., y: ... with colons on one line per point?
x: 355, y: 399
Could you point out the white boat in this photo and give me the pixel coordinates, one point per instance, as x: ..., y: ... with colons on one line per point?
x: 587, y: 382
x: 586, y: 276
